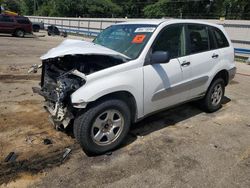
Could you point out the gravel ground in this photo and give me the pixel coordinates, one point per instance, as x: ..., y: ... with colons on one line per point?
x: 181, y: 147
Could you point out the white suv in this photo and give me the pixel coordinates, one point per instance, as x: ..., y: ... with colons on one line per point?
x: 130, y: 71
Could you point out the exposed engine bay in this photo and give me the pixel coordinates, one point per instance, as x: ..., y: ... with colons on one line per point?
x: 62, y: 76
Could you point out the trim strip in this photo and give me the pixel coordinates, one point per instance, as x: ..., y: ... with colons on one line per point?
x: 167, y: 92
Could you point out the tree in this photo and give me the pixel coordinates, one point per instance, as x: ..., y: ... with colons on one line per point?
x: 234, y: 9
x: 27, y: 7
x: 101, y: 8
x: 231, y: 9
x: 12, y: 5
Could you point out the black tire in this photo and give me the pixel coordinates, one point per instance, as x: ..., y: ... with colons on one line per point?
x: 207, y: 103
x: 36, y: 28
x: 84, y: 126
x: 19, y: 33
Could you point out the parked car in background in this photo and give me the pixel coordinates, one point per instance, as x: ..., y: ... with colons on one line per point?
x: 15, y: 25
x: 130, y: 71
x: 53, y: 30
x: 37, y: 26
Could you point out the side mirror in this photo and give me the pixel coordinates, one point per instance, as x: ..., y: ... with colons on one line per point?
x: 159, y: 57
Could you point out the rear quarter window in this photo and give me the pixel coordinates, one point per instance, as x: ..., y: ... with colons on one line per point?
x: 220, y: 38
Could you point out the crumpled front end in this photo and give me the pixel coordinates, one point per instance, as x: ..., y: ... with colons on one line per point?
x: 57, y: 84
x: 62, y: 76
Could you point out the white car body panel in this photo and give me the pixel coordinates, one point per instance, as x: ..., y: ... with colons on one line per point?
x: 74, y: 47
x: 159, y: 79
x: 117, y: 78
x: 144, y: 82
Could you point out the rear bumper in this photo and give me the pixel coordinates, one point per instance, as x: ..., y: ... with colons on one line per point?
x: 231, y: 73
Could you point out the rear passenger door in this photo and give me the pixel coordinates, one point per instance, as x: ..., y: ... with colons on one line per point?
x: 204, y: 57
x: 222, y: 45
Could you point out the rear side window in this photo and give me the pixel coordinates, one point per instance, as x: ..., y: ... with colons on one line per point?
x: 6, y: 19
x: 198, y: 38
x: 22, y: 20
x: 220, y: 38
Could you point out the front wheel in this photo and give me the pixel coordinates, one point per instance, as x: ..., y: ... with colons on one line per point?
x: 215, y: 93
x: 102, y: 127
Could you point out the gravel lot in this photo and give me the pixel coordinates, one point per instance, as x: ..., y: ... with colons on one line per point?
x: 181, y: 147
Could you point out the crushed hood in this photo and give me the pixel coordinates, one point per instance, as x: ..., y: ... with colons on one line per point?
x: 78, y: 47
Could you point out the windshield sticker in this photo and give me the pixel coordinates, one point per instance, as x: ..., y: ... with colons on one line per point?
x: 138, y: 39
x: 145, y: 30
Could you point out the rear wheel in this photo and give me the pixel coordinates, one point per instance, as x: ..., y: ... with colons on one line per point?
x: 215, y: 93
x: 19, y: 33
x: 103, y: 127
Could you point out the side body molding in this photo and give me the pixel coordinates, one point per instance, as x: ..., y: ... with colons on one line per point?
x: 166, y: 92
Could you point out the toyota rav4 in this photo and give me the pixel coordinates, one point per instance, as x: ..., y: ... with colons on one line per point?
x: 130, y: 71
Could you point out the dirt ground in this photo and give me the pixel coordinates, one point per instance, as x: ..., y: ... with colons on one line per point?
x: 181, y: 147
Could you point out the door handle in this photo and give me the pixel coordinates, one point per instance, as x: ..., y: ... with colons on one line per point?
x: 185, y: 64
x: 214, y: 56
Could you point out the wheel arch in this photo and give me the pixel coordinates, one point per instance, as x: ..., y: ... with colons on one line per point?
x: 17, y: 29
x: 125, y: 96
x: 222, y: 74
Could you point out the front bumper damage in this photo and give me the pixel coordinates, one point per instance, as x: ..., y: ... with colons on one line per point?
x: 60, y: 115
x: 64, y: 70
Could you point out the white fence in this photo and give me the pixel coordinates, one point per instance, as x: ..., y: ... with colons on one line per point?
x: 238, y: 30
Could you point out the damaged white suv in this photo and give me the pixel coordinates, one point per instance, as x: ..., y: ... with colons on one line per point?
x: 130, y: 71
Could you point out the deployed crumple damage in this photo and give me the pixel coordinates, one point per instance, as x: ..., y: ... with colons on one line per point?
x: 65, y: 69
x: 78, y: 47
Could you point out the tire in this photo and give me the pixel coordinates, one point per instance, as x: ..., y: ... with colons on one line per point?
x: 19, y: 33
x: 36, y: 28
x: 215, y: 93
x: 102, y: 127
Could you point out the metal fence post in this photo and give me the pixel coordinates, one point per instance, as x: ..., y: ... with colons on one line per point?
x: 88, y: 28
x: 78, y: 26
x: 101, y: 26
x: 70, y: 25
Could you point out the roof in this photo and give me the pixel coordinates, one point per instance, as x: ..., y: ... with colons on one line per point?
x: 144, y: 21
x: 170, y: 21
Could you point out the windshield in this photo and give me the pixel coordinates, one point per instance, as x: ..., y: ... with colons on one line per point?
x: 126, y: 39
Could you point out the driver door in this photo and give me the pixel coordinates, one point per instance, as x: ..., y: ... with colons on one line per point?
x: 163, y: 82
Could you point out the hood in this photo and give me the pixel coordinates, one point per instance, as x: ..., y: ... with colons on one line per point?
x: 78, y: 47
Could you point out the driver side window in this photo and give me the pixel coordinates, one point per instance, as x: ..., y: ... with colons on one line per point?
x: 172, y: 40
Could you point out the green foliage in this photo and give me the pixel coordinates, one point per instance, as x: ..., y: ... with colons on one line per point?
x: 231, y: 9
x: 26, y: 7
x: 11, y: 5
x: 102, y: 7
x: 158, y: 9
